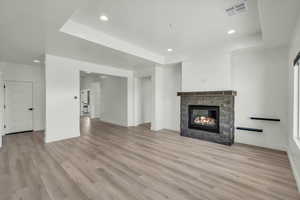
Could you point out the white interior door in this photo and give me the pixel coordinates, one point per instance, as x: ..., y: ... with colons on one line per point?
x: 1, y: 106
x: 18, y: 106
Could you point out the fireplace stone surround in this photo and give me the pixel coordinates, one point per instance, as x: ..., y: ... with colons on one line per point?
x: 222, y: 99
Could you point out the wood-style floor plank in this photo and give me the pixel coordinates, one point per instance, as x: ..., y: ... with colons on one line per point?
x: 113, y: 162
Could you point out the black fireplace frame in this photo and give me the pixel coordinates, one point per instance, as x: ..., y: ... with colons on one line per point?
x: 215, y: 129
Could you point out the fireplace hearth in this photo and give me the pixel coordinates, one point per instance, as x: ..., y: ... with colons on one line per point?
x: 208, y: 116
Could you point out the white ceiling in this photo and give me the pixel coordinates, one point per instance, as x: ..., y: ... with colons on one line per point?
x: 22, y: 35
x: 158, y: 25
x: 29, y: 29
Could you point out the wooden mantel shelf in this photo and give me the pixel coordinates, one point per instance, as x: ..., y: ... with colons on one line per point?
x: 209, y: 93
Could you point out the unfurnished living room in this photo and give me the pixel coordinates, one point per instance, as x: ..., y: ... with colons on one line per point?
x: 149, y: 99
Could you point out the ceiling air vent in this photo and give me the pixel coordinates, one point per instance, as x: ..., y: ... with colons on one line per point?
x: 238, y: 8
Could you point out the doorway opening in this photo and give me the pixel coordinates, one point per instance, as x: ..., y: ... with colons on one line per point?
x: 85, y: 103
x: 103, y: 98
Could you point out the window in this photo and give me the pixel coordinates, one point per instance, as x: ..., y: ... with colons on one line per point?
x: 296, y: 106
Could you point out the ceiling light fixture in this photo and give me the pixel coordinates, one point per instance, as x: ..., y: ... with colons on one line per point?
x: 103, y: 76
x: 230, y: 32
x: 169, y: 50
x: 103, y: 18
x: 36, y: 61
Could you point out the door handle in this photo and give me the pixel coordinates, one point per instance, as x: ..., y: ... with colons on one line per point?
x: 30, y: 109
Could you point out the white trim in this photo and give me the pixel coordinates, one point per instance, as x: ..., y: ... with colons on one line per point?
x: 114, y: 123
x: 38, y: 130
x: 47, y: 140
x: 294, y: 169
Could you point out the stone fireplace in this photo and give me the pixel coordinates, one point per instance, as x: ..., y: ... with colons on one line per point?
x: 208, y: 116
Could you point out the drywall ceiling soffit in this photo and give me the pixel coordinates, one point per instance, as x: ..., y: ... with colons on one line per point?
x: 278, y: 19
x: 87, y: 33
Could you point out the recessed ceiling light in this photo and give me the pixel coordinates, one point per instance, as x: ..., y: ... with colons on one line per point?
x: 230, y: 32
x: 36, y: 61
x: 169, y: 50
x: 103, y: 18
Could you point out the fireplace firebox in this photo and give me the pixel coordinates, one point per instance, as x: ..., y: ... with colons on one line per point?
x: 204, y: 117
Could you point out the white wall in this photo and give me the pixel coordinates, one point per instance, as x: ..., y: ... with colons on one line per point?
x: 172, y: 85
x: 62, y: 84
x: 19, y: 72
x: 158, y: 79
x: 166, y: 103
x: 143, y: 100
x: 85, y: 82
x: 146, y: 93
x: 261, y: 80
x: 208, y: 71
x: 62, y: 109
x: 114, y: 100
x: 95, y: 99
x: 138, y: 101
x: 293, y: 148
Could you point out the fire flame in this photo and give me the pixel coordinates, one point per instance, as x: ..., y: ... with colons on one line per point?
x: 205, y: 120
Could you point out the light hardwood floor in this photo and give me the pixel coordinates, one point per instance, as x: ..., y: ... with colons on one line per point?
x: 112, y: 162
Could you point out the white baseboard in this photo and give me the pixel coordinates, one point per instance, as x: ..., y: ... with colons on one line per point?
x: 172, y: 130
x: 59, y: 139
x: 294, y: 169
x: 39, y: 130
x: 114, y: 123
x: 268, y: 146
